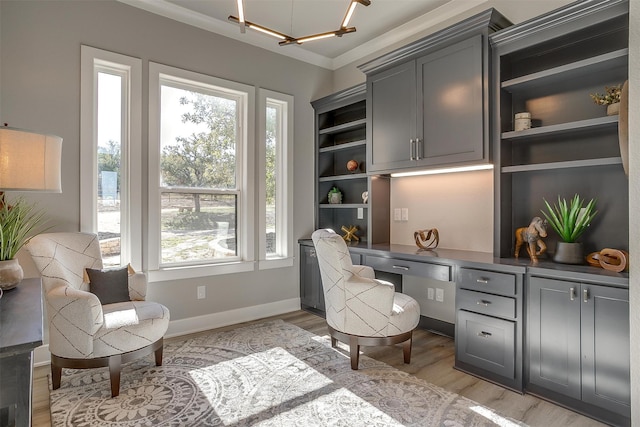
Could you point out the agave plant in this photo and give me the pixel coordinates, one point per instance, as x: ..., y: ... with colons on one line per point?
x: 18, y: 222
x: 570, y: 220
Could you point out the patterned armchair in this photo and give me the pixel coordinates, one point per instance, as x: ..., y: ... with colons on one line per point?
x: 82, y: 332
x: 360, y: 309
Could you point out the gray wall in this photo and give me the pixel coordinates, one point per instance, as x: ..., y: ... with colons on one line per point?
x: 40, y: 81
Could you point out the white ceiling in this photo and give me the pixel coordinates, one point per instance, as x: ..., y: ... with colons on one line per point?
x: 380, y: 24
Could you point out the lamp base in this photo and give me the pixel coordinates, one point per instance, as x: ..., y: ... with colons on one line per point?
x: 11, y: 274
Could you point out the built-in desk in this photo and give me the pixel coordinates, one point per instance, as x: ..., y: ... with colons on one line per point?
x: 508, y: 314
x: 20, y: 334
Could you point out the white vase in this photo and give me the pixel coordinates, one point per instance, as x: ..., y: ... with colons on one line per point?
x: 10, y: 274
x: 613, y: 109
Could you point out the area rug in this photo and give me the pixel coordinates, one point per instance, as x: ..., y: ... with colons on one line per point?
x: 267, y: 374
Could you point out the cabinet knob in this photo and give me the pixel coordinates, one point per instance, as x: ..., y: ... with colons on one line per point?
x: 483, y: 302
x: 484, y: 334
x: 482, y: 280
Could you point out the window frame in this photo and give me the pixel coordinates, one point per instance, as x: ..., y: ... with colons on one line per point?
x: 94, y: 61
x: 245, y: 157
x: 284, y: 181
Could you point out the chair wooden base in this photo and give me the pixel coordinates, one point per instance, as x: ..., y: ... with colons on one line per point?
x: 113, y: 362
x: 355, y: 341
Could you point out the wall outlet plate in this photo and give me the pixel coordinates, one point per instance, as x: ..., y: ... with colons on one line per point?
x: 397, y: 214
x: 439, y: 295
x: 202, y: 292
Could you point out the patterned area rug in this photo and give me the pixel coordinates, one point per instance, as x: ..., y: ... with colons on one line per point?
x: 268, y: 374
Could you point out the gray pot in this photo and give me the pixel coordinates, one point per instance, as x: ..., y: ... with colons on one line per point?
x: 569, y: 253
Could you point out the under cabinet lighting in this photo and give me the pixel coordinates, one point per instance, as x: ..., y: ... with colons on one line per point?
x: 443, y: 170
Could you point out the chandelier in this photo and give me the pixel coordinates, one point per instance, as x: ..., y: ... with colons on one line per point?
x: 288, y: 40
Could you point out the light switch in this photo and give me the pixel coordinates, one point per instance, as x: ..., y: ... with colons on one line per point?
x: 396, y: 214
x: 405, y: 214
x: 439, y: 295
x: 430, y: 293
x: 360, y: 213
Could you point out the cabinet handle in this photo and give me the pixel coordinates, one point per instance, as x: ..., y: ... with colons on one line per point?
x: 585, y: 295
x: 401, y: 267
x: 418, y: 151
x: 483, y: 302
x: 572, y: 293
x: 412, y: 145
x: 484, y: 334
x: 482, y: 280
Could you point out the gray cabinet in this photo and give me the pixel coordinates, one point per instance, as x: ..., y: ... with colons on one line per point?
x: 427, y: 103
x: 429, y: 111
x: 311, y: 295
x: 489, y: 325
x: 578, y: 345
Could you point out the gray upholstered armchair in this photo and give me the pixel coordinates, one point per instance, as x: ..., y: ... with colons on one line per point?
x: 83, y: 333
x: 360, y: 309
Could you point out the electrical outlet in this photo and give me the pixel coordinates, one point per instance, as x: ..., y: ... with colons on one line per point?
x: 360, y: 213
x: 439, y: 295
x: 405, y: 214
x: 202, y: 292
x: 396, y: 214
x: 430, y: 293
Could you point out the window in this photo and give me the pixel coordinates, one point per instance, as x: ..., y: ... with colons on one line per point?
x: 110, y: 152
x: 200, y: 173
x: 276, y: 181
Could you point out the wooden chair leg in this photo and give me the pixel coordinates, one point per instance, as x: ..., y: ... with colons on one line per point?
x: 406, y: 350
x: 354, y: 351
x: 114, y: 372
x: 158, y: 354
x: 334, y: 342
x: 56, y: 375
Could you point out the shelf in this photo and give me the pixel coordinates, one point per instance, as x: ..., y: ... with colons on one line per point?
x: 343, y: 127
x: 607, y: 161
x: 344, y: 146
x: 359, y: 175
x: 589, y: 66
x: 580, y: 125
x: 343, y: 205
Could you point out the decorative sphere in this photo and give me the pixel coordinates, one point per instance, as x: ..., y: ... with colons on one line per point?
x: 352, y: 165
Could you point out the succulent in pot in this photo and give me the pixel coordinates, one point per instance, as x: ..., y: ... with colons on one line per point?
x: 570, y: 220
x: 19, y: 221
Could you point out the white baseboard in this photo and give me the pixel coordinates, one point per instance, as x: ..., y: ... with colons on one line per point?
x: 191, y: 325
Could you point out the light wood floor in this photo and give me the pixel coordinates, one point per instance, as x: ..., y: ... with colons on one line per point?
x: 432, y: 359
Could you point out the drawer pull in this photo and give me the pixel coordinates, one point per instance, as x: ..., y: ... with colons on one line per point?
x: 585, y: 295
x: 401, y: 267
x: 572, y: 294
x: 482, y: 280
x: 484, y: 334
x: 483, y: 302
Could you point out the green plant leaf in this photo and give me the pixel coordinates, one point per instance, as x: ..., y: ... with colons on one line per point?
x: 567, y: 220
x: 18, y: 222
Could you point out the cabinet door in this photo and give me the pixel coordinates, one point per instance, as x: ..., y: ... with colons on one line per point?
x: 310, y: 282
x: 451, y: 104
x: 391, y: 107
x: 553, y: 323
x: 605, y: 348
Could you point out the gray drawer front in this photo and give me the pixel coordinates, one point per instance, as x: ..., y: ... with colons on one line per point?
x: 399, y: 266
x: 482, y: 303
x: 487, y: 281
x: 486, y: 342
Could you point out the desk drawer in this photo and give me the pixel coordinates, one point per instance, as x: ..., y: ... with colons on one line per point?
x: 486, y: 342
x: 399, y: 266
x: 491, y: 305
x: 487, y: 281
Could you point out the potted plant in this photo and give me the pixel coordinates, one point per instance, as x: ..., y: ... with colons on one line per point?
x: 334, y: 196
x: 611, y: 98
x: 570, y: 220
x: 18, y: 222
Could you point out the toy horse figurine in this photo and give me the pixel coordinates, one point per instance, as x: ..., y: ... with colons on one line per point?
x: 532, y: 235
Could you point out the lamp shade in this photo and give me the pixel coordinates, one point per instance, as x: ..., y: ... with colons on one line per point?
x: 29, y: 161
